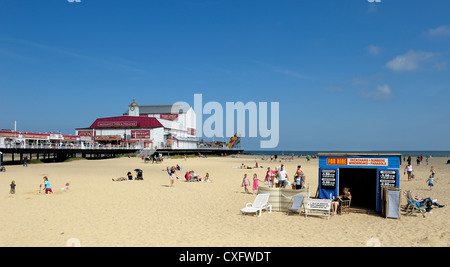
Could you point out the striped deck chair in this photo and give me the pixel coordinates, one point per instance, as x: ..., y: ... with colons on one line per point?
x: 261, y: 203
x: 413, y: 205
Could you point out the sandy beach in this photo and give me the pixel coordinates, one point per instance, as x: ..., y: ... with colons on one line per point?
x: 97, y: 211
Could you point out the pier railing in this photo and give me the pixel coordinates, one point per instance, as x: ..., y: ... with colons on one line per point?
x: 101, y: 147
x: 70, y: 146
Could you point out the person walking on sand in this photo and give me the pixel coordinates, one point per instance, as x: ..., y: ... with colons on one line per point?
x: 255, y: 183
x: 430, y: 181
x: 13, y: 187
x: 245, y: 183
x: 433, y: 171
x: 48, y: 188
x: 172, y: 174
x: 409, y: 170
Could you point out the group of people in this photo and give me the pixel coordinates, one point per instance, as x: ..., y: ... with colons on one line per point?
x: 419, y: 159
x: 46, y: 185
x: 190, y: 176
x: 246, y: 183
x: 278, y: 178
x: 430, y: 180
x: 139, y: 176
x: 153, y: 158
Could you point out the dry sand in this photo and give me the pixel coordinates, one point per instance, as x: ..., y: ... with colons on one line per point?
x: 99, y: 212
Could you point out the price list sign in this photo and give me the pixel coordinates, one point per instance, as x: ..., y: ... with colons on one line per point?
x: 328, y: 179
x: 388, y: 178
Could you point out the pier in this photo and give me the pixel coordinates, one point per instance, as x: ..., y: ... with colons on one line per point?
x: 13, y: 154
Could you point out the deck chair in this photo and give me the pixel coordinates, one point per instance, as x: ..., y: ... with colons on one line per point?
x: 297, y: 204
x: 413, y: 205
x: 261, y: 203
x: 344, y: 206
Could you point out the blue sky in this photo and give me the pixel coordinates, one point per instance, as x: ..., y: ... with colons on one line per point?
x: 348, y: 74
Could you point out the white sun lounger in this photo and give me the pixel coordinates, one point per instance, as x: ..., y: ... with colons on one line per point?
x: 261, y: 203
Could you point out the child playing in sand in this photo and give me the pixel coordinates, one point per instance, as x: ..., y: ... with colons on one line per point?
x: 66, y: 187
x: 48, y: 188
x: 245, y: 183
x: 172, y: 173
x: 13, y: 187
x: 206, y: 179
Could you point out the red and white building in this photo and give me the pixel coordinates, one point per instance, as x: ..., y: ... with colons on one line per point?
x: 147, y: 126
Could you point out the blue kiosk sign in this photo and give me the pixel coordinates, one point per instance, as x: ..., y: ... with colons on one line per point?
x: 363, y: 173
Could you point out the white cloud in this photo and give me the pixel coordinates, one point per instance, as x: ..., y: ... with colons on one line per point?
x: 381, y: 92
x: 440, y: 31
x: 410, y: 61
x: 373, y: 50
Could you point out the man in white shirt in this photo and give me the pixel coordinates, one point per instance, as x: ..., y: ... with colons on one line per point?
x: 282, y: 176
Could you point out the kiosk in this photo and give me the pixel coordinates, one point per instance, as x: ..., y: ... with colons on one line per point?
x: 364, y: 173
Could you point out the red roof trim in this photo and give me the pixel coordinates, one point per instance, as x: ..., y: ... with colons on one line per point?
x: 126, y: 122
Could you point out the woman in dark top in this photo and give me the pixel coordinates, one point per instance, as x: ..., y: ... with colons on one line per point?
x: 345, y: 196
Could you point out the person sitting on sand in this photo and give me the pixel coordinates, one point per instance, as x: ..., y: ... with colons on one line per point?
x: 193, y: 177
x: 2, y: 168
x: 120, y: 179
x: 337, y: 200
x: 130, y: 176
